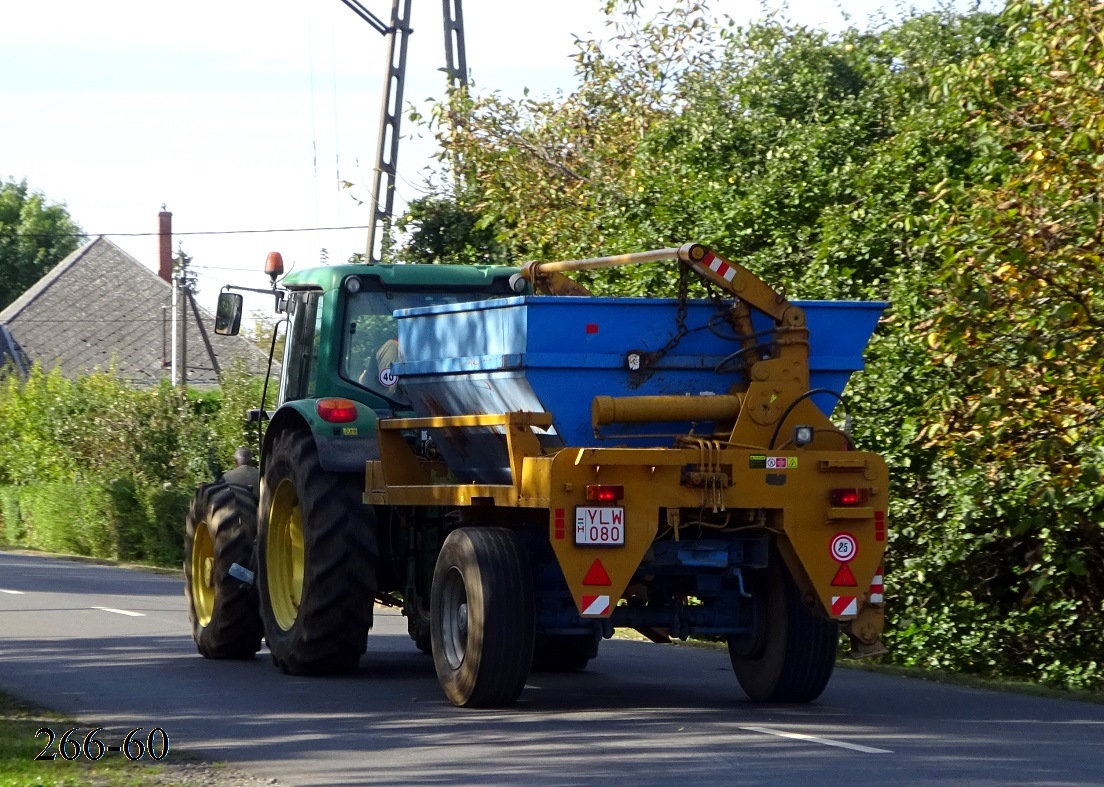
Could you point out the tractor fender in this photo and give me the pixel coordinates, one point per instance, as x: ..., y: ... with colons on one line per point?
x: 342, y: 447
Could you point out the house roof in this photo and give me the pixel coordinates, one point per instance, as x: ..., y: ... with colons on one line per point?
x: 100, y: 306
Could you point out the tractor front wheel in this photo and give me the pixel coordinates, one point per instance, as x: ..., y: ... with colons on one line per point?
x: 219, y: 532
x: 316, y: 559
x: 482, y: 617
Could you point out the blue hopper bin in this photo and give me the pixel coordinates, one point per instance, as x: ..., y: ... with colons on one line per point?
x: 555, y: 354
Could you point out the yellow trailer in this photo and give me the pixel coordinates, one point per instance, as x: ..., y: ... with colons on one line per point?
x: 766, y: 531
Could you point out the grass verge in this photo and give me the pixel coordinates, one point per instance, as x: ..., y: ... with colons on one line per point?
x: 1009, y: 685
x: 19, y: 721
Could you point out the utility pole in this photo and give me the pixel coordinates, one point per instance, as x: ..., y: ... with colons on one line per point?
x: 183, y: 285
x: 174, y: 369
x: 456, y: 58
x: 387, y: 146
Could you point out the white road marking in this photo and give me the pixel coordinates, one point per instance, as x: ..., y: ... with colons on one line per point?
x: 13, y: 592
x: 797, y: 736
x: 126, y: 612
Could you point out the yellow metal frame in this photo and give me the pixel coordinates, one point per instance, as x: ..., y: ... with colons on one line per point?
x: 709, y: 476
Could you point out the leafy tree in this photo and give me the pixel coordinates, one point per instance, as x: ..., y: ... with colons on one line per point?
x: 35, y: 235
x: 1014, y: 324
x: 947, y: 163
x: 779, y: 144
x: 443, y: 230
x: 261, y: 333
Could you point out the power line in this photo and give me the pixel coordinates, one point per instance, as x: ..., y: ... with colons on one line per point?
x: 175, y: 234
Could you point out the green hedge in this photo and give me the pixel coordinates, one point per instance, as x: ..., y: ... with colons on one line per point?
x: 92, y: 466
x: 118, y: 519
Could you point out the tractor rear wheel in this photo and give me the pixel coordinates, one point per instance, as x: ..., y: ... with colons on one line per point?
x: 316, y: 559
x: 790, y: 655
x: 482, y: 617
x: 220, y: 528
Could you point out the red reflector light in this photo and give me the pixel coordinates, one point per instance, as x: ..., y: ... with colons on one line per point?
x: 847, y: 497
x: 337, y: 411
x: 605, y: 493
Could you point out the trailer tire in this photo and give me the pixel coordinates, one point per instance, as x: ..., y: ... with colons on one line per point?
x: 219, y: 531
x: 316, y: 561
x: 791, y: 655
x: 482, y: 617
x: 564, y: 653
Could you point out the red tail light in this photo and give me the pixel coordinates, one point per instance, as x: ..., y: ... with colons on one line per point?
x: 847, y: 497
x: 605, y: 493
x: 337, y: 411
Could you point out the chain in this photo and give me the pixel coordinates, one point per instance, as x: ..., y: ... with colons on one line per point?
x: 680, y: 316
x: 643, y: 363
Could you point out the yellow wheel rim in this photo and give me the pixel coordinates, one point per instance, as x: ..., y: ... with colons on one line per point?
x: 284, y: 555
x: 203, y: 574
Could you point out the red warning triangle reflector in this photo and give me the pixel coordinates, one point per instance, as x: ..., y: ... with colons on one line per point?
x: 597, y: 575
x: 844, y: 577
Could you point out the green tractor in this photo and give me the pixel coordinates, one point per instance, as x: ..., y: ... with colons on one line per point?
x: 299, y: 560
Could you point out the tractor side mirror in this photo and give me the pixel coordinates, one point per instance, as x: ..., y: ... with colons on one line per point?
x: 228, y: 315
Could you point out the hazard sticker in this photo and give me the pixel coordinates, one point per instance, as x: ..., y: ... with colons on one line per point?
x: 844, y: 547
x: 844, y: 606
x: 595, y: 606
x: 877, y: 589
x: 761, y: 462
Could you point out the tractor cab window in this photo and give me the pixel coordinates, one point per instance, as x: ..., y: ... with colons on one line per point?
x: 301, y: 352
x: 371, y: 332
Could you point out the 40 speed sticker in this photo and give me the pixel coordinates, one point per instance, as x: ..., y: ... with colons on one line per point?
x: 844, y: 547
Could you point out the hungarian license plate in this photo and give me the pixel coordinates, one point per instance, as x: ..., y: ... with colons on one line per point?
x: 600, y: 526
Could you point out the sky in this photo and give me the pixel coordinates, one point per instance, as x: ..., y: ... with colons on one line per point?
x: 247, y: 114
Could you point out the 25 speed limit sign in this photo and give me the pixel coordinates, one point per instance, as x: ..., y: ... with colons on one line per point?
x: 844, y: 547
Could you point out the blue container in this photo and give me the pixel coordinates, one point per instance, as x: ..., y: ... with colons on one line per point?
x: 555, y: 354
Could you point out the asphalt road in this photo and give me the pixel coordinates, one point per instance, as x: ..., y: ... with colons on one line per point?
x: 112, y: 647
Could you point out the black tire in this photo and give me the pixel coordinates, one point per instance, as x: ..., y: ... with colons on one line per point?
x: 555, y: 653
x: 482, y: 617
x: 219, y: 531
x: 791, y: 654
x: 316, y: 561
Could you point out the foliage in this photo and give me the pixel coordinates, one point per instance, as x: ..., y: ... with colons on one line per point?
x: 35, y: 235
x: 91, y: 466
x: 1015, y: 321
x: 949, y: 163
x: 264, y: 327
x: 239, y: 392
x: 446, y: 231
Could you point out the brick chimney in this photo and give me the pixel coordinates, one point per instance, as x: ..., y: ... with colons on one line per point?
x: 165, y: 268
